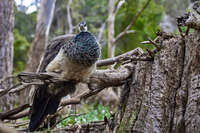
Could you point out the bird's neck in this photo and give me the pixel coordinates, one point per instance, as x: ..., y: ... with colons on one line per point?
x: 84, y: 38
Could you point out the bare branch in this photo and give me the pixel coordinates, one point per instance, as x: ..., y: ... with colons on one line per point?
x: 69, y: 17
x: 24, y: 86
x: 181, y: 32
x: 118, y: 5
x: 12, y: 112
x: 7, y: 78
x: 121, y: 34
x: 158, y: 47
x: 120, y: 58
x: 18, y: 115
x: 145, y: 42
x: 5, y: 91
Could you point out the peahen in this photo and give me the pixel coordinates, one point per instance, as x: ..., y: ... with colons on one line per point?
x: 73, y: 58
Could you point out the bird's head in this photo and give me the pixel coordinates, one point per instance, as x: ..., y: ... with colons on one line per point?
x: 83, y: 26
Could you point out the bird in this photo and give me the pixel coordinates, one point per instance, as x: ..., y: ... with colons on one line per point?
x: 71, y: 57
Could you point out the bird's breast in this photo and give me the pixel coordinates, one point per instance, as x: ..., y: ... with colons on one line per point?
x: 68, y: 69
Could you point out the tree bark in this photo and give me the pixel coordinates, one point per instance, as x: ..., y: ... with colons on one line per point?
x: 164, y: 93
x: 69, y: 18
x: 6, y: 49
x: 111, y: 30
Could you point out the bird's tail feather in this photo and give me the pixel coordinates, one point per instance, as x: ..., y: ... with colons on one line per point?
x: 43, y: 104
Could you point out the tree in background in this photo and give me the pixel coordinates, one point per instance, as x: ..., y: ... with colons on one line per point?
x: 6, y: 49
x: 44, y: 19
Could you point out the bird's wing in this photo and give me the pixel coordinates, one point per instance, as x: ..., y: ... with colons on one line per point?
x: 50, y: 53
x: 53, y: 49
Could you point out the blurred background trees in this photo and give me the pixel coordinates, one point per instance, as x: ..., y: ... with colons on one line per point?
x: 6, y: 50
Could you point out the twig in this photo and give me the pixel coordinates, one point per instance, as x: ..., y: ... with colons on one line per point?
x: 118, y: 5
x: 12, y: 112
x: 187, y: 31
x: 7, y: 78
x: 5, y: 91
x: 181, y: 32
x: 84, y: 95
x: 158, y: 47
x: 150, y: 53
x: 146, y: 42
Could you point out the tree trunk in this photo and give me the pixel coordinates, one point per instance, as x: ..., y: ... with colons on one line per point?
x: 164, y: 94
x: 111, y: 30
x: 6, y: 49
x: 69, y: 18
x: 44, y: 19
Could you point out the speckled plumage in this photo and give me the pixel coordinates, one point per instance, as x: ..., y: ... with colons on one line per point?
x: 73, y: 58
x: 84, y: 49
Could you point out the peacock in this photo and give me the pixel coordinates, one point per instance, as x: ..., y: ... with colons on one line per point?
x: 71, y: 57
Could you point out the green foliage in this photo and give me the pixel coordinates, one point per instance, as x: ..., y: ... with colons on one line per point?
x: 146, y: 25
x: 23, y: 36
x: 93, y: 11
x: 94, y: 112
x: 25, y: 23
x: 21, y: 46
x: 96, y: 13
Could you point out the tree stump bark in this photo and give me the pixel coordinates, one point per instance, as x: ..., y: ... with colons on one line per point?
x: 164, y: 94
